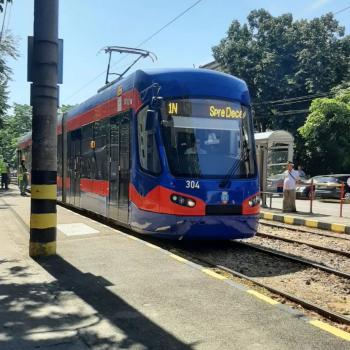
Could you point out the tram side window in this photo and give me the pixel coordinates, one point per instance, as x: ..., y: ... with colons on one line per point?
x: 148, y: 150
x: 100, y: 133
x: 87, y: 151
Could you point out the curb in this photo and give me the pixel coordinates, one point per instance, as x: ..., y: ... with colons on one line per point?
x: 293, y: 220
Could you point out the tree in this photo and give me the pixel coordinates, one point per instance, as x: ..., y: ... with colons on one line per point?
x: 7, y: 49
x: 65, y: 108
x: 280, y: 59
x: 326, y: 134
x: 2, y: 2
x: 15, y: 126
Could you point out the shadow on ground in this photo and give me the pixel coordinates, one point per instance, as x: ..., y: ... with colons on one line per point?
x: 49, y: 315
x: 11, y: 192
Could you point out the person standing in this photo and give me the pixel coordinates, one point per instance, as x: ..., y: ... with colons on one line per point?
x: 23, y: 178
x: 4, y: 175
x: 291, y: 177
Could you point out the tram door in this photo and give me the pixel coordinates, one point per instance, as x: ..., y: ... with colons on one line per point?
x: 74, y: 155
x: 119, y: 167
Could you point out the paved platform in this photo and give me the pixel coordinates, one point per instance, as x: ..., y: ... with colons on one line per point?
x: 109, y: 290
x: 325, y: 215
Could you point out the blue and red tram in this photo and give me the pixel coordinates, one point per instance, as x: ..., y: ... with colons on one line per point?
x: 167, y: 152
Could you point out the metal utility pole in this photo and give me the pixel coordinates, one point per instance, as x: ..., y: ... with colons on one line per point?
x: 44, y: 96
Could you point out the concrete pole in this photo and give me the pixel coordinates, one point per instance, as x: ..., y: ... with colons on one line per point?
x: 43, y: 218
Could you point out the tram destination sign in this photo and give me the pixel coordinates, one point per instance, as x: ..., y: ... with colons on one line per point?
x: 204, y: 109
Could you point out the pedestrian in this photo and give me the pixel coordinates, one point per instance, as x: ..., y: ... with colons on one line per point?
x: 291, y: 177
x: 4, y: 175
x: 23, y: 178
x: 8, y: 175
x: 301, y: 171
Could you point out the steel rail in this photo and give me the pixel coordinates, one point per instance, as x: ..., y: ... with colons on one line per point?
x: 302, y: 229
x: 315, y: 246
x: 333, y: 316
x: 295, y: 259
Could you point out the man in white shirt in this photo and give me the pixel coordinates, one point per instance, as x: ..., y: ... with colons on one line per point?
x: 291, y: 177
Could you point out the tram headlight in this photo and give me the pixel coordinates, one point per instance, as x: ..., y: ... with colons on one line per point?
x: 191, y: 203
x: 254, y: 201
x: 181, y: 200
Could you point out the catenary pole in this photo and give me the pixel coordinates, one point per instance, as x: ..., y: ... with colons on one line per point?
x: 44, y: 95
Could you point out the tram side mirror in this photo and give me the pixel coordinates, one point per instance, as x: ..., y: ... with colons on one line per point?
x: 150, y: 118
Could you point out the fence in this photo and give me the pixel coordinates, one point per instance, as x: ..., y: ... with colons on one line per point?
x: 339, y: 207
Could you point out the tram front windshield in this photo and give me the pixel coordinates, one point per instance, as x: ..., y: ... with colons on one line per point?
x: 208, y: 139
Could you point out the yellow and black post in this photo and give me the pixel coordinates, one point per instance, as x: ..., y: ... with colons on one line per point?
x: 43, y: 217
x: 44, y: 96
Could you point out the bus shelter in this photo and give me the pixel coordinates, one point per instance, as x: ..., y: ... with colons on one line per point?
x: 273, y: 149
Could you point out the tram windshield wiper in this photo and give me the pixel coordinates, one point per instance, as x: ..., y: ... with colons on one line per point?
x: 243, y: 158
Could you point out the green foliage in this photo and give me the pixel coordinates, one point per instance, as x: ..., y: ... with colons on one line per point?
x: 280, y: 58
x: 7, y: 49
x: 326, y: 134
x: 15, y: 125
x: 65, y: 108
x: 2, y: 2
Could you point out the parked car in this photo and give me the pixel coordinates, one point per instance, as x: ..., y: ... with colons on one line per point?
x: 329, y: 187
x: 303, y: 190
x: 275, y: 183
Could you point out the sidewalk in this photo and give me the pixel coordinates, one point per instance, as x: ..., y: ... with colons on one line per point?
x: 107, y: 290
x: 35, y: 311
x: 325, y: 215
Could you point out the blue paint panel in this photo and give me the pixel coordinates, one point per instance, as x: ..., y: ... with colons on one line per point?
x: 188, y: 227
x: 195, y: 83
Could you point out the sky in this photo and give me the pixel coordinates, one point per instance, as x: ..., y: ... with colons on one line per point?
x: 86, y: 26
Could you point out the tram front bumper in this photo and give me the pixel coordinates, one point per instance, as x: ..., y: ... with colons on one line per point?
x: 193, y: 227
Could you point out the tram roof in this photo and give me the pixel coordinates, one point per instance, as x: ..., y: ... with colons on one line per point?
x: 175, y: 82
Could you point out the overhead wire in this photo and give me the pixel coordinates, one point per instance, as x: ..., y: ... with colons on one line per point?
x: 293, y: 113
x: 342, y: 10
x: 158, y: 31
x: 293, y: 99
x: 284, y: 101
x: 138, y: 46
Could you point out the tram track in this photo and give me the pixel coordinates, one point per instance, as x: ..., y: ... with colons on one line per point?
x: 318, y: 232
x: 315, y: 246
x: 332, y: 251
x: 297, y: 259
x: 331, y: 315
x: 272, y: 287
